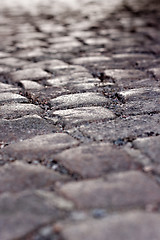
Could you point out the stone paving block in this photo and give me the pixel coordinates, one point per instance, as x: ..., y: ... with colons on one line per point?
x: 84, y: 114
x: 4, y: 69
x: 96, y: 160
x: 117, y: 191
x: 13, y: 62
x: 90, y: 59
x: 123, y: 128
x: 40, y: 147
x: 132, y: 56
x: 141, y: 107
x: 24, y: 127
x: 15, y: 110
x: 29, y: 74
x: 139, y: 94
x: 125, y: 226
x: 78, y: 100
x: 156, y: 72
x: 61, y: 46
x: 121, y: 76
x: 18, y: 176
x: 49, y: 65
x: 27, y: 84
x: 80, y: 83
x: 7, y: 88
x: 149, y: 146
x: 24, y: 212
x: 8, y: 97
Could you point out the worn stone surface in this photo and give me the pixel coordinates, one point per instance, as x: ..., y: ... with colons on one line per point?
x: 23, y: 212
x: 116, y: 191
x: 7, y: 97
x: 149, y: 146
x: 78, y: 99
x: 29, y: 74
x: 123, y: 128
x: 17, y: 177
x: 80, y: 119
x: 15, y: 110
x: 96, y: 160
x: 84, y: 114
x: 42, y: 147
x: 124, y: 226
x: 22, y: 128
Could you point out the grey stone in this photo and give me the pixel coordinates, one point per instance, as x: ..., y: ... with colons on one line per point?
x: 117, y: 191
x: 84, y: 114
x: 15, y: 110
x: 149, y: 146
x: 24, y: 212
x: 39, y: 147
x: 78, y: 99
x: 96, y: 160
x: 132, y: 225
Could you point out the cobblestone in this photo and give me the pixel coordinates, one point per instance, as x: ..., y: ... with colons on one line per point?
x: 149, y: 146
x: 24, y: 127
x: 40, y: 148
x: 96, y: 160
x: 125, y: 226
x: 27, y: 206
x: 116, y: 191
x: 84, y: 114
x: 78, y: 99
x: 18, y: 176
x: 79, y: 120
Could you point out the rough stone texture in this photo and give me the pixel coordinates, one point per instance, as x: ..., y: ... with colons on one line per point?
x: 29, y: 74
x: 26, y: 84
x: 149, y: 146
x: 131, y: 225
x: 15, y: 110
x: 139, y: 94
x: 122, y: 128
x: 121, y: 76
x: 96, y: 160
x: 22, y: 128
x: 78, y: 99
x: 17, y: 177
x: 7, y: 97
x: 156, y: 72
x: 116, y: 191
x: 40, y: 147
x: 6, y: 87
x: 141, y: 107
x: 22, y: 213
x: 84, y: 114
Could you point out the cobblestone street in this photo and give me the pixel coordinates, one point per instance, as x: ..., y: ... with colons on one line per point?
x: 79, y: 120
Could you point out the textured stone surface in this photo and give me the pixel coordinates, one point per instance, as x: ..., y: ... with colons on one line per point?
x: 96, y: 160
x: 7, y: 97
x: 22, y: 128
x: 149, y: 146
x: 124, y: 226
x: 15, y: 110
x: 84, y: 114
x: 17, y: 177
x: 29, y: 74
x: 121, y: 128
x: 117, y: 191
x: 40, y: 147
x: 22, y: 213
x: 77, y: 100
